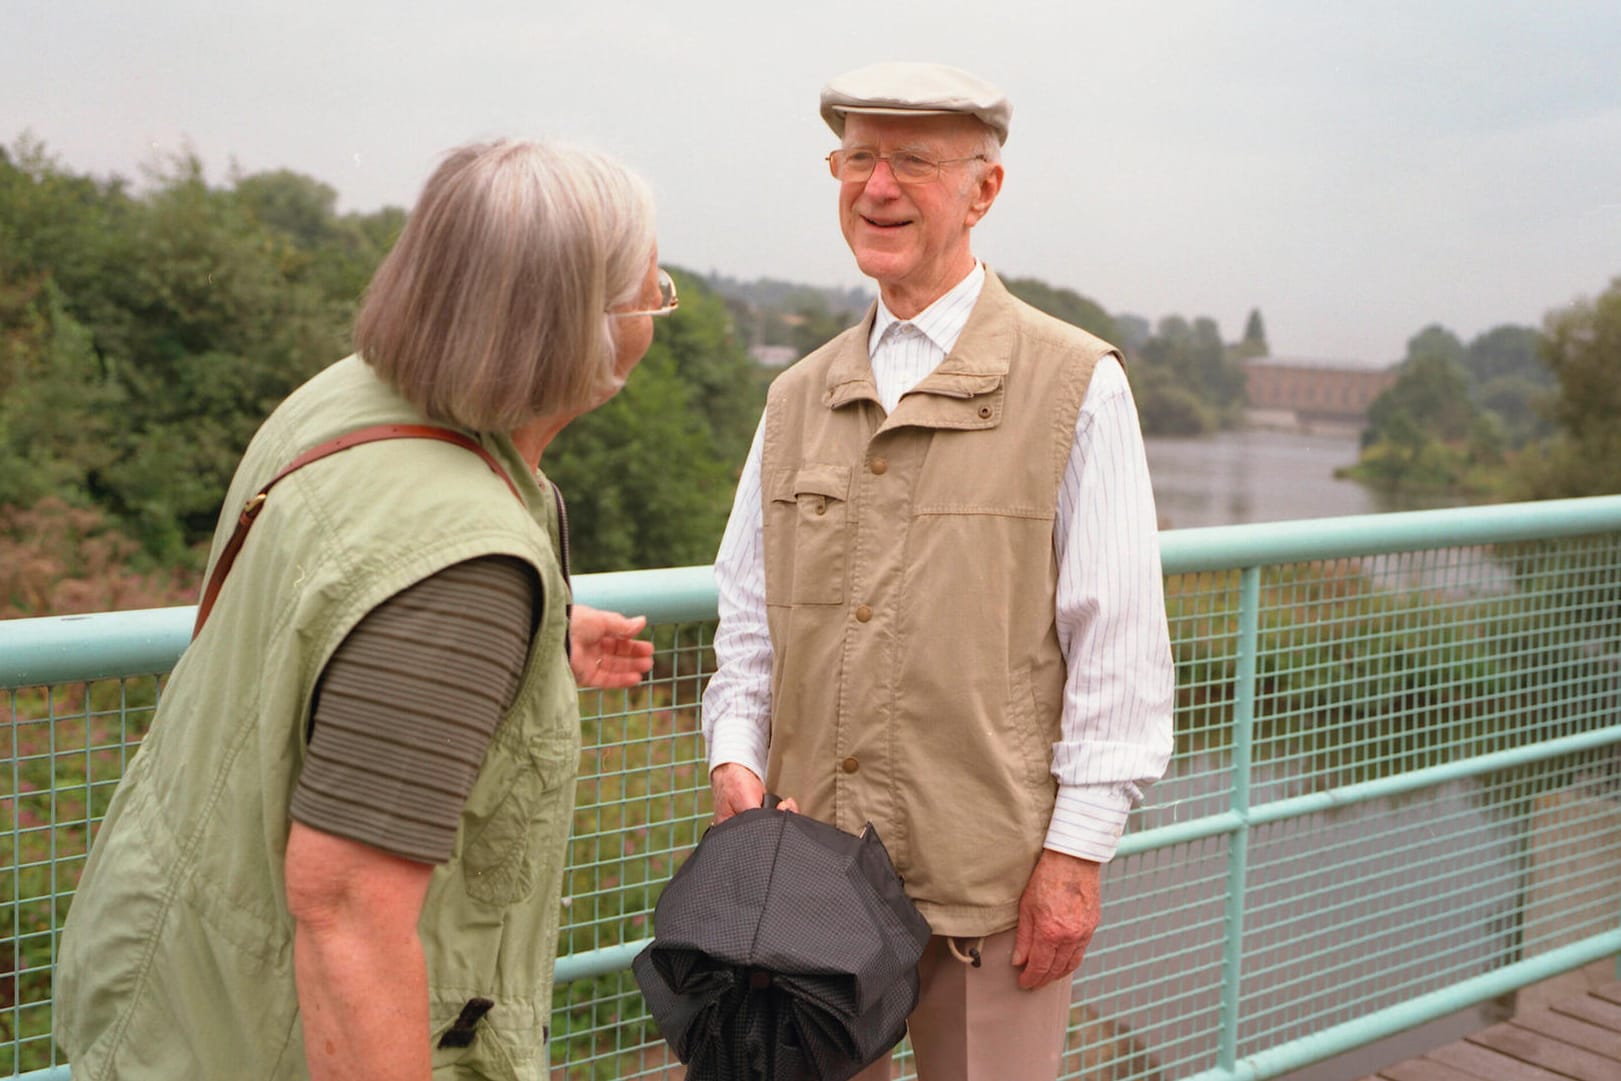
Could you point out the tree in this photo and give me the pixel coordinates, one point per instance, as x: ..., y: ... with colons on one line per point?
x: 1134, y: 331
x: 1508, y: 380
x: 1506, y: 351
x: 166, y: 326
x: 1065, y: 304
x: 59, y: 421
x: 649, y: 476
x: 1425, y: 431
x: 1194, y: 356
x: 1253, y: 343
x: 1582, y: 348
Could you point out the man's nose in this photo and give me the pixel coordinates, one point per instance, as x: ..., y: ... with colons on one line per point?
x: 882, y: 183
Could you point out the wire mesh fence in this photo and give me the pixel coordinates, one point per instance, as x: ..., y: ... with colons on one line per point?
x: 1397, y: 772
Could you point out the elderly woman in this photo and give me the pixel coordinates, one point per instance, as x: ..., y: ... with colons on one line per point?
x: 339, y: 852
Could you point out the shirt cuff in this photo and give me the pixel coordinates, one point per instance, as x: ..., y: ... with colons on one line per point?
x: 1088, y: 820
x: 737, y: 743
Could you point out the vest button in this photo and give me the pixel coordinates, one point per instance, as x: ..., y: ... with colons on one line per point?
x: 849, y: 765
x: 985, y: 412
x: 880, y: 466
x: 863, y: 614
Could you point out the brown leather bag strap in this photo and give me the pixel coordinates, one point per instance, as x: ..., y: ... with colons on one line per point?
x: 251, y: 509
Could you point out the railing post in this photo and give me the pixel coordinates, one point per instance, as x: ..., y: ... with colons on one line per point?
x: 1232, y: 968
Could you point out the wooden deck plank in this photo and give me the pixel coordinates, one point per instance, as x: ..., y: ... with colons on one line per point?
x: 1592, y: 1009
x: 1542, y: 1050
x: 1423, y: 1069
x: 1571, y: 1039
x: 1581, y: 1034
x: 1485, y: 1063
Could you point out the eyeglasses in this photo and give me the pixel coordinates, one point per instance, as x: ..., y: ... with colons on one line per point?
x: 856, y: 165
x: 668, y: 301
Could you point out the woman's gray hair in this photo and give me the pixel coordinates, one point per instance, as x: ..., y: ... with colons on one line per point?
x: 492, y: 308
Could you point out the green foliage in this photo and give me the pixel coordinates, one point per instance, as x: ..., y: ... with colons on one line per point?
x: 1453, y: 413
x: 1254, y: 340
x: 649, y: 476
x: 1134, y: 332
x: 1195, y: 369
x: 769, y: 311
x: 59, y: 414
x: 1481, y: 418
x: 1582, y: 348
x: 1166, y: 407
x: 1065, y: 304
x: 1184, y: 380
x: 1430, y: 398
x: 144, y: 337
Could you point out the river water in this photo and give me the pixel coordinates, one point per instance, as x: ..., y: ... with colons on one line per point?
x: 1263, y: 475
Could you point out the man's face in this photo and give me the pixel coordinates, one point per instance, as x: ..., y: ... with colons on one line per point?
x: 913, y: 238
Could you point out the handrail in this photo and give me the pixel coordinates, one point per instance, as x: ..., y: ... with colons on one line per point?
x: 50, y: 649
x: 1186, y: 551
x: 42, y: 650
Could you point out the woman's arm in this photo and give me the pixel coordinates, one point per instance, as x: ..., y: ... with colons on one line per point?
x: 358, y: 964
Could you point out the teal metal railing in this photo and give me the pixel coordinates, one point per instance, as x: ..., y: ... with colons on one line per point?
x: 1396, y: 794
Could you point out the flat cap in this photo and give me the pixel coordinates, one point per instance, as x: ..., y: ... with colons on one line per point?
x: 904, y: 88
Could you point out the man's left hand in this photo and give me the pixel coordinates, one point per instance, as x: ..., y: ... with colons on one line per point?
x: 1058, y: 912
x: 604, y: 650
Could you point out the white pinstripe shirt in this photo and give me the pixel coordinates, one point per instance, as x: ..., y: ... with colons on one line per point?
x: 1110, y: 609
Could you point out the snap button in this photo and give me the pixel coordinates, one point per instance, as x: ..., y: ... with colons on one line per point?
x: 985, y: 412
x: 880, y: 466
x: 863, y: 614
x: 850, y: 765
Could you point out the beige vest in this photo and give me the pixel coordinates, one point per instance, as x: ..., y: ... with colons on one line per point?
x: 910, y: 590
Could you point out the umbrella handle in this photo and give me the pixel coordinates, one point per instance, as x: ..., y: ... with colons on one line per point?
x: 770, y: 801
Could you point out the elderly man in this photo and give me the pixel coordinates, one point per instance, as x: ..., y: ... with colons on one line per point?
x: 940, y: 590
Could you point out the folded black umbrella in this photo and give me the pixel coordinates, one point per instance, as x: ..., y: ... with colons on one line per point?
x: 784, y: 949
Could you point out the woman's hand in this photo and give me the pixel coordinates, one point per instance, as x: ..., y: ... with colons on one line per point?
x: 604, y: 650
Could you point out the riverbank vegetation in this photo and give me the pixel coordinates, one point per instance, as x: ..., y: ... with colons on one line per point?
x: 1515, y: 414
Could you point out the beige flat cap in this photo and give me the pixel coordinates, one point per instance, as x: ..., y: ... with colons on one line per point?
x: 904, y: 88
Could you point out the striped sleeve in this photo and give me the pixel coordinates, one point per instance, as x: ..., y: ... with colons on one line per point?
x: 405, y: 708
x: 1115, y: 733
x: 736, y: 713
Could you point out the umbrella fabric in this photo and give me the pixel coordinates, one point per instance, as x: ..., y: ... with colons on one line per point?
x: 784, y: 949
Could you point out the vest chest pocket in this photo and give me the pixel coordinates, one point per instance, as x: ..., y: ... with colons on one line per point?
x: 806, y: 513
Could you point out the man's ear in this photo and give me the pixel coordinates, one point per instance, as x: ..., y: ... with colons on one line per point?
x: 985, y: 192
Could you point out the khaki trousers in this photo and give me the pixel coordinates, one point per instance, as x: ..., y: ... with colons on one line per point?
x: 977, y: 1024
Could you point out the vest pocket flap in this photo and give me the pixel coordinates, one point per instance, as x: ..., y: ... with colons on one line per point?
x: 804, y: 531
x: 811, y: 479
x: 961, y: 384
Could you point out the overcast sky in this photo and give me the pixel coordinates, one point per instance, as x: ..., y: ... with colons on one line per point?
x: 1356, y: 170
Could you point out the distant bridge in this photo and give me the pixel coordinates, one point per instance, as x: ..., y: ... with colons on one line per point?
x: 1303, y: 393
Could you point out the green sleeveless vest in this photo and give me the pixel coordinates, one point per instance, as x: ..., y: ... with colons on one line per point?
x: 177, y: 957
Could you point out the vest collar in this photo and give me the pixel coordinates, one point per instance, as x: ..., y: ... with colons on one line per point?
x: 964, y: 392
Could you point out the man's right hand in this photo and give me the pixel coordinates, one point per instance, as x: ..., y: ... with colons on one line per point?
x: 738, y: 788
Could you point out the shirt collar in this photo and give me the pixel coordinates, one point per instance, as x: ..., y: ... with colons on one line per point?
x: 941, y: 322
